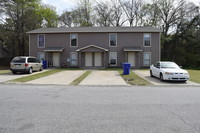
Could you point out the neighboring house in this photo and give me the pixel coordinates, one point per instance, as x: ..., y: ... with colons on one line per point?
x: 96, y: 47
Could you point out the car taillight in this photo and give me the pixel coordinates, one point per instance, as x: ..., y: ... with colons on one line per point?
x: 26, y: 65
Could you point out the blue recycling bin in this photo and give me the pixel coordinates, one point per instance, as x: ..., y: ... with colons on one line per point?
x: 44, y: 62
x: 126, y: 68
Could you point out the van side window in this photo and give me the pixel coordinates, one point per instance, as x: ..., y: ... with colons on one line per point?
x: 32, y: 60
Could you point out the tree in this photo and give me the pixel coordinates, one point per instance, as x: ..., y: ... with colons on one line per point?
x: 103, y: 14
x: 83, y: 13
x: 133, y: 11
x: 66, y: 19
x: 22, y: 16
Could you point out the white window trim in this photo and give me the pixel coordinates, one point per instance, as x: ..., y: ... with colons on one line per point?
x: 144, y: 41
x: 38, y: 40
x: 116, y: 58
x: 76, y: 40
x: 110, y: 38
x: 149, y: 59
x: 76, y: 57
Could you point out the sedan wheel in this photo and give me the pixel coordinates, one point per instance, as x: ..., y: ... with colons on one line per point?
x: 151, y: 73
x: 161, y: 77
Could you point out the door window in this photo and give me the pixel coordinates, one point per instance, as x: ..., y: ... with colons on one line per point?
x: 113, y: 58
x: 73, y: 59
x: 147, y: 58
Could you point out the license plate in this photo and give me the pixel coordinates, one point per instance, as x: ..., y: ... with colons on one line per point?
x: 17, y: 65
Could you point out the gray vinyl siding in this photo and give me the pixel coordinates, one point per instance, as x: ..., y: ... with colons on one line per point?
x: 101, y: 40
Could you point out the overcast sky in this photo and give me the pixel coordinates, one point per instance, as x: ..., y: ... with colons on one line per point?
x: 62, y: 5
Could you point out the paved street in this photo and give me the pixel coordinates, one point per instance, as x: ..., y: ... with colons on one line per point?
x: 83, y: 109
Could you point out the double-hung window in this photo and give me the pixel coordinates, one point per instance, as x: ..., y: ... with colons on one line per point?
x: 147, y: 40
x: 113, y: 39
x: 73, y: 40
x: 41, y: 41
x: 73, y: 59
x: 113, y: 58
x: 147, y: 58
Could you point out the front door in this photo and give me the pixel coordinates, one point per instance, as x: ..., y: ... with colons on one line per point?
x: 88, y: 59
x: 97, y: 59
x: 131, y: 58
x: 56, y: 59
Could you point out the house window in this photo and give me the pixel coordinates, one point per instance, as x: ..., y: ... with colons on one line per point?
x: 74, y: 40
x: 147, y: 40
x: 73, y: 59
x: 113, y: 39
x: 40, y: 56
x: 113, y: 59
x: 147, y: 58
x: 41, y: 41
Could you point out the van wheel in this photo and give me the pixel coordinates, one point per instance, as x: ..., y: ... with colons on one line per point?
x: 41, y: 68
x: 14, y: 72
x: 161, y: 77
x: 30, y: 70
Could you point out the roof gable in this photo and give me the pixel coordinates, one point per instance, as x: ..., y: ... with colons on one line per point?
x: 90, y: 46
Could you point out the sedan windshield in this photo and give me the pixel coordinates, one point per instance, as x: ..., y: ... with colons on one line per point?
x: 169, y: 65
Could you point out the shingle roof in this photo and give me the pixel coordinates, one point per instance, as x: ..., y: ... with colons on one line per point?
x: 132, y: 49
x: 94, y: 29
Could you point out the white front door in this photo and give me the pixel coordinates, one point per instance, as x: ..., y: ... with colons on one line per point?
x: 88, y: 59
x: 131, y: 58
x: 56, y: 59
x: 97, y: 59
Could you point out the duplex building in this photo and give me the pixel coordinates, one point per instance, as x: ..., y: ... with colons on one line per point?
x: 96, y: 47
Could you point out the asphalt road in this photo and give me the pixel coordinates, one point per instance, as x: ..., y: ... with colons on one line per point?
x: 83, y: 109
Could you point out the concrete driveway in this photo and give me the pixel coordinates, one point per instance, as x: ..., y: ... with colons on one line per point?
x: 61, y: 78
x: 10, y: 76
x: 103, y: 78
x: 146, y: 75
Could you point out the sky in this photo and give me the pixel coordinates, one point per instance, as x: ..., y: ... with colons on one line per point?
x: 62, y: 5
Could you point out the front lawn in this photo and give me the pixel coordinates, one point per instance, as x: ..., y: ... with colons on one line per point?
x: 194, y: 75
x: 36, y: 76
x: 81, y: 78
x: 4, y: 71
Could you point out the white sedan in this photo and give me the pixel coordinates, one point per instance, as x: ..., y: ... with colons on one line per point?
x: 168, y: 71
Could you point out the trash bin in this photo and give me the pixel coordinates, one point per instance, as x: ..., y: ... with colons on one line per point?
x: 126, y: 68
x: 44, y: 62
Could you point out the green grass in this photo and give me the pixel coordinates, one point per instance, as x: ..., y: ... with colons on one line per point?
x: 194, y: 75
x: 133, y: 79
x: 81, y: 78
x: 4, y: 71
x: 36, y: 76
